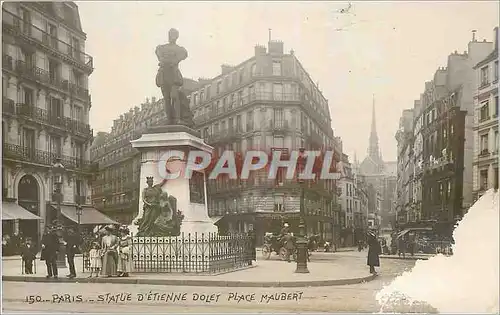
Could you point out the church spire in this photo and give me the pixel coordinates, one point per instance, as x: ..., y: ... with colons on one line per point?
x: 373, y: 148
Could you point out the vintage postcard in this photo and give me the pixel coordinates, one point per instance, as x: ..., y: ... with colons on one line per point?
x: 250, y: 157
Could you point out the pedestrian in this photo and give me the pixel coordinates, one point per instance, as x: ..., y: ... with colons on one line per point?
x: 28, y: 255
x: 50, y: 248
x: 374, y: 251
x: 72, y: 241
x: 110, y: 243
x: 252, y: 243
x: 289, y: 244
x: 124, y: 257
x: 95, y: 260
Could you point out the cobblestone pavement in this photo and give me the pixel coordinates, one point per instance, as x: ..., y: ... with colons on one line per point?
x: 87, y: 297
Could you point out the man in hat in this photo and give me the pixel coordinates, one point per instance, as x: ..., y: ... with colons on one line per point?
x: 50, y: 247
x: 374, y: 250
x: 72, y: 241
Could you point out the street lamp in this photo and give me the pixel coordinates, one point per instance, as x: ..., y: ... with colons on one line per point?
x: 79, y: 210
x: 58, y: 169
x: 301, y: 240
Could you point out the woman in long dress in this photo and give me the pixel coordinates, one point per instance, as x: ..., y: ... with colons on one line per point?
x: 124, y: 253
x: 109, y: 246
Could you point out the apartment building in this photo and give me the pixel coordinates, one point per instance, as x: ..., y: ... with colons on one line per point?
x: 45, y: 112
x: 268, y: 102
x: 442, y: 144
x: 487, y: 141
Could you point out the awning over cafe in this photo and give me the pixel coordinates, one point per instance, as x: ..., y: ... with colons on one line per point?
x: 13, y: 211
x: 89, y: 216
x: 404, y: 232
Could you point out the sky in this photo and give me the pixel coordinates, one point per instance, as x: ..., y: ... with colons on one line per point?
x: 377, y: 50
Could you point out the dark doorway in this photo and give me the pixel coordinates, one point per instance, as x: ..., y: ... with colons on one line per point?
x: 29, y: 199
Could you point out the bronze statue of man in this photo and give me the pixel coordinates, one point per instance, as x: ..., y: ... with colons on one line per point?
x: 170, y: 80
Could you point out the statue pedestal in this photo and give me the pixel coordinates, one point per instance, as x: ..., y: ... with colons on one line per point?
x: 153, y: 146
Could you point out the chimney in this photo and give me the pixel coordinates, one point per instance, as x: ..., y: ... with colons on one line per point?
x: 495, y: 33
x: 474, y: 35
x: 147, y: 100
x: 260, y: 50
x: 153, y: 99
x: 225, y: 68
x: 276, y: 47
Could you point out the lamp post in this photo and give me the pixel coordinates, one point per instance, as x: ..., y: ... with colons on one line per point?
x: 58, y: 169
x: 79, y: 210
x: 301, y: 240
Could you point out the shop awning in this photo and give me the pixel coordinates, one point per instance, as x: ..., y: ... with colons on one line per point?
x: 216, y: 219
x: 13, y: 211
x: 404, y: 232
x: 89, y: 216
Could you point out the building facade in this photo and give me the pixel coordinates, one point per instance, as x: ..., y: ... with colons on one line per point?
x: 116, y: 188
x: 442, y: 145
x: 487, y: 141
x: 405, y: 201
x: 348, y: 201
x: 45, y: 110
x: 268, y: 102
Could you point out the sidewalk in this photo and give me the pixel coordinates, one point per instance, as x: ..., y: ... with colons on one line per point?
x: 266, y: 273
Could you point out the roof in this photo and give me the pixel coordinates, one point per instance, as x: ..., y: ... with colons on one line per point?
x: 490, y: 57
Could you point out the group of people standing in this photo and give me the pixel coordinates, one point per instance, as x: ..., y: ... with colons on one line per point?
x: 112, y: 256
x: 109, y: 254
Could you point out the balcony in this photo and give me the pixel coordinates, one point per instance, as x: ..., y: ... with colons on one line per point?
x: 484, y: 153
x: 46, y: 117
x: 25, y: 154
x: 42, y: 76
x: 15, y: 25
x: 278, y: 127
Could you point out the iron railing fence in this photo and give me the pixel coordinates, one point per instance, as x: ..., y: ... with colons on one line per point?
x: 187, y: 253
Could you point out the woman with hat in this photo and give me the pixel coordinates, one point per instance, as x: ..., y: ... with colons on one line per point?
x: 124, y: 257
x: 374, y: 251
x: 110, y: 243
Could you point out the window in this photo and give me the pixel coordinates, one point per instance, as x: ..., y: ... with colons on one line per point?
x: 484, y: 111
x: 238, y: 123
x: 483, y: 179
x: 495, y: 70
x: 253, y: 69
x: 78, y: 150
x: 219, y: 84
x: 26, y: 17
x: 278, y: 91
x: 279, y: 117
x: 54, y: 71
x: 76, y: 48
x: 496, y: 106
x: 216, y: 129
x: 484, y: 144
x: 484, y: 76
x: 495, y: 178
x: 240, y: 98
x: 278, y: 142
x: 497, y: 144
x: 202, y: 96
x: 78, y: 113
x: 206, y: 133
x: 78, y: 191
x: 28, y: 97
x: 250, y: 121
x: 52, y: 29
x: 56, y: 108
x: 56, y: 145
x: 277, y: 68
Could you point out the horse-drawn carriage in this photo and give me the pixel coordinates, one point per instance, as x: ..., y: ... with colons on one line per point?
x: 286, y: 246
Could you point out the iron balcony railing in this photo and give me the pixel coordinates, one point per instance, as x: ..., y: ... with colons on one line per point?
x: 46, y: 117
x: 16, y: 25
x: 44, y: 77
x: 27, y: 154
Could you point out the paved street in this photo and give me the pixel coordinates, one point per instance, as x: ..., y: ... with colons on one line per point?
x: 88, y: 297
